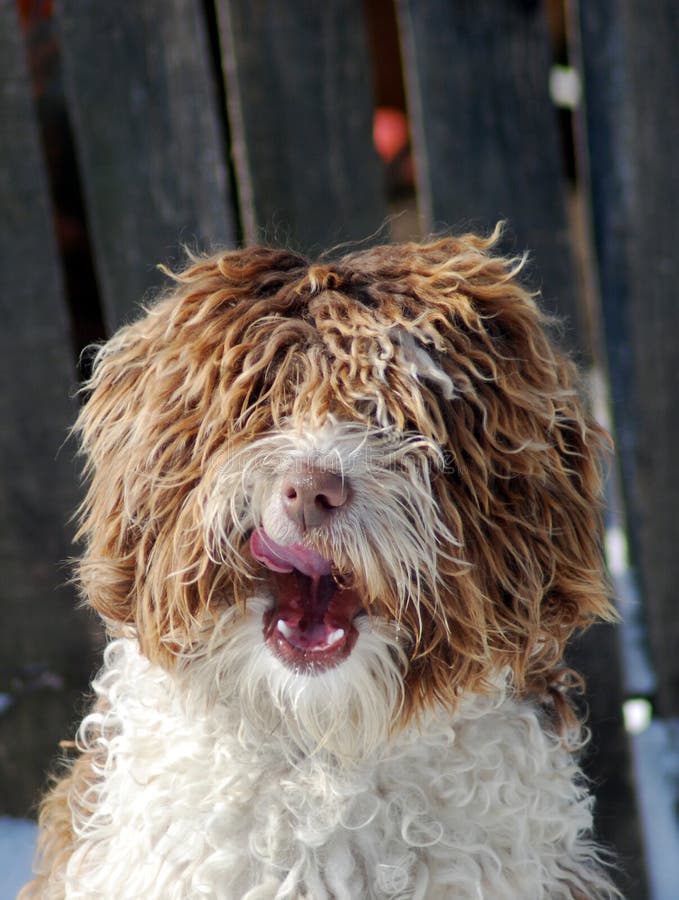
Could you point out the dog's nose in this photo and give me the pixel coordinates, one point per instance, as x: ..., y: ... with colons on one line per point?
x: 311, y: 497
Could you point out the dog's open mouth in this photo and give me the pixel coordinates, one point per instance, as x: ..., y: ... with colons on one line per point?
x: 311, y: 624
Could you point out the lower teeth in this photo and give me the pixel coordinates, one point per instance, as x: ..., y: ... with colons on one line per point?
x: 334, y: 637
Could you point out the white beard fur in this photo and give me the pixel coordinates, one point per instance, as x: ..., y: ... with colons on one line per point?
x: 214, y: 785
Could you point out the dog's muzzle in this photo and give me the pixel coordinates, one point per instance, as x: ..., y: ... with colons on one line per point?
x: 311, y: 624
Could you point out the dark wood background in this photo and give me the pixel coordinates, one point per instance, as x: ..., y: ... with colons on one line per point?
x: 129, y: 129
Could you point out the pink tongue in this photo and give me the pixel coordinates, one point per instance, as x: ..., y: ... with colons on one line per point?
x: 280, y: 558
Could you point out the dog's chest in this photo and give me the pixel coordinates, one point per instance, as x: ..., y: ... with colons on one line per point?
x: 476, y: 808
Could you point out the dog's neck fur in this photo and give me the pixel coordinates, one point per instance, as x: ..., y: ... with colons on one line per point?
x: 187, y: 805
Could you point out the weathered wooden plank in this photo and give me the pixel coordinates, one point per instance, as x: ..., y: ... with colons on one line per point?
x: 484, y: 131
x: 636, y: 188
x: 300, y: 103
x: 603, y: 32
x: 44, y: 659
x: 596, y: 41
x: 147, y: 126
x: 632, y: 80
x: 597, y: 28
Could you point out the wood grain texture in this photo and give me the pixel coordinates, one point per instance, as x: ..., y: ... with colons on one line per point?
x: 300, y: 105
x: 44, y: 642
x: 485, y: 132
x: 147, y: 126
x: 632, y: 81
x: 605, y: 122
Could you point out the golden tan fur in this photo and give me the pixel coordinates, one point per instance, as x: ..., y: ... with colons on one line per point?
x: 247, y: 340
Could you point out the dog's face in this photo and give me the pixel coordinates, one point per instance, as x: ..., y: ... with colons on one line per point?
x: 380, y: 461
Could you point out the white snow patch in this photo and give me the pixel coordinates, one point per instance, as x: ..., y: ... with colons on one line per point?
x: 655, y: 754
x: 17, y: 844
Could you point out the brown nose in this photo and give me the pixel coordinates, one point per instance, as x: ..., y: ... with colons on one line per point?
x: 312, y: 496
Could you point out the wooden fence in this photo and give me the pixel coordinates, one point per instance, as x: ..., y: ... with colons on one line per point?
x: 128, y: 128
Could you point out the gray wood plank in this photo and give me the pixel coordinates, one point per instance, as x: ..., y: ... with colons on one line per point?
x: 484, y: 131
x: 632, y: 82
x: 607, y: 151
x: 146, y: 118
x: 605, y: 166
x: 44, y: 643
x: 300, y: 104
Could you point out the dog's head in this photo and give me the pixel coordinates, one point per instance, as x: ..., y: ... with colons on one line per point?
x: 382, y: 452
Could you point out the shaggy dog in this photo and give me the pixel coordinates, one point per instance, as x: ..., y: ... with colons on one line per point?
x: 342, y: 519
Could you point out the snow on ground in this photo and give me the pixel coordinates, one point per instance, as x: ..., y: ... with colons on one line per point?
x: 655, y: 754
x: 654, y: 742
x: 17, y: 842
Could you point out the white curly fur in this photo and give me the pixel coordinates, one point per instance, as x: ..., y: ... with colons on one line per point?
x: 196, y: 800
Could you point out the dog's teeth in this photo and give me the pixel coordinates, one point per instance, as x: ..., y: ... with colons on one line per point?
x: 335, y: 636
x: 284, y: 629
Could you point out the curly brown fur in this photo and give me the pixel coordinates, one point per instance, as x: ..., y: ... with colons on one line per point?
x: 251, y: 338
